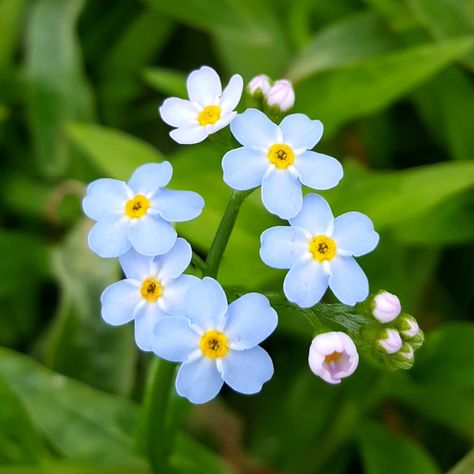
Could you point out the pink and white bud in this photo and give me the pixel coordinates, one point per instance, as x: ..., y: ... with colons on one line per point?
x: 407, y: 352
x: 281, y: 95
x: 386, y: 307
x: 333, y: 356
x: 392, y: 342
x: 261, y: 82
x: 412, y: 330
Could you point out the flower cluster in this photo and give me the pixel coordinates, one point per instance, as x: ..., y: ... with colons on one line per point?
x: 186, y: 319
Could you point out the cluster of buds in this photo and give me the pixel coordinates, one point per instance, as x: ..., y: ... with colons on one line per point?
x: 275, y: 98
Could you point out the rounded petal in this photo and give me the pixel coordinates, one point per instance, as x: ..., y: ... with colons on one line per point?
x: 174, y: 339
x: 119, y: 301
x: 105, y: 196
x: 247, y: 371
x: 109, y: 237
x: 250, y: 320
x: 177, y: 206
x: 199, y: 380
x: 136, y: 265
x: 315, y: 215
x: 151, y: 235
x: 147, y: 178
x: 281, y: 193
x: 173, y: 263
x: 189, y: 135
x: 244, y: 168
x: 204, y: 86
x: 299, y: 131
x: 206, y: 304
x: 318, y: 171
x: 254, y: 128
x: 354, y: 233
x: 348, y: 281
x: 305, y: 283
x: 232, y: 93
x: 179, y: 112
x: 146, y: 319
x: 174, y: 300
x: 282, y: 246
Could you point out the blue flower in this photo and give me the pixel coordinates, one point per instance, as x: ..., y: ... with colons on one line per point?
x: 319, y: 251
x: 217, y: 342
x: 279, y: 159
x: 154, y: 287
x: 139, y: 213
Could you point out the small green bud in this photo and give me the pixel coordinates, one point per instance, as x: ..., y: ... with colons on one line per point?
x: 405, y: 357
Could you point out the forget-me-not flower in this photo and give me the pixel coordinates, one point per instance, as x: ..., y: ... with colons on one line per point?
x: 138, y: 213
x: 217, y: 342
x: 279, y: 159
x: 208, y: 109
x: 154, y: 287
x: 319, y: 251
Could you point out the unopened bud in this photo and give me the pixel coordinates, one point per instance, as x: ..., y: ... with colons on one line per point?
x: 281, y: 95
x: 390, y: 341
x: 405, y: 357
x: 385, y: 306
x: 260, y: 82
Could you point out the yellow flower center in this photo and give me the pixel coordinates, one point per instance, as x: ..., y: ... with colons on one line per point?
x: 334, y: 357
x: 322, y: 248
x: 281, y: 155
x: 209, y: 115
x: 214, y: 344
x: 137, y: 207
x: 151, y: 289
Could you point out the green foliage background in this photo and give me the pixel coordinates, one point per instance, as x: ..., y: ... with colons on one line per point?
x: 80, y: 82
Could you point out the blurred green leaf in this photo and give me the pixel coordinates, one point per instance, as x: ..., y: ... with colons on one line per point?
x: 166, y: 81
x: 3, y: 112
x: 107, y: 353
x: 11, y: 12
x: 358, y: 90
x: 384, y: 452
x: 345, y: 42
x: 20, y: 442
x: 465, y: 466
x: 66, y: 467
x: 80, y: 422
x: 57, y: 88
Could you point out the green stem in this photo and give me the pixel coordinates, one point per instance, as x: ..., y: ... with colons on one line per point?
x: 222, y: 236
x: 157, y: 442
x: 199, y: 263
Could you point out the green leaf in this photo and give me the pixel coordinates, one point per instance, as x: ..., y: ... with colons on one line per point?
x: 365, y: 88
x: 3, y: 112
x: 107, y: 353
x: 58, y: 90
x: 345, y: 42
x: 67, y: 467
x: 384, y: 452
x: 20, y: 441
x: 465, y: 465
x: 166, y: 81
x: 79, y: 422
x: 11, y: 13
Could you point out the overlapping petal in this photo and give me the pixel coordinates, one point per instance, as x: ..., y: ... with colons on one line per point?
x: 174, y: 262
x: 174, y: 299
x: 244, y: 168
x: 109, y: 236
x: 315, y: 215
x: 137, y: 266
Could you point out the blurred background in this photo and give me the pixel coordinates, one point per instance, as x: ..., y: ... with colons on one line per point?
x: 80, y: 83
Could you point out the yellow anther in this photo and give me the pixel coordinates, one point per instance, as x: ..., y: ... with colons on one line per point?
x: 281, y: 155
x: 214, y: 344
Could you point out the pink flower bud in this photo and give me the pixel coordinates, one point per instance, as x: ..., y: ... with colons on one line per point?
x: 261, y: 82
x: 333, y: 356
x: 386, y: 307
x: 281, y: 95
x: 392, y: 342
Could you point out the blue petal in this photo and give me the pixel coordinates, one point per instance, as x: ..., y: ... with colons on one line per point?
x: 173, y: 263
x: 305, y: 283
x: 254, y: 128
x: 137, y: 266
x: 177, y: 206
x: 354, y: 233
x: 281, y: 193
x: 151, y: 235
x: 105, y: 196
x: 318, y: 171
x: 119, y: 302
x: 299, y: 131
x: 348, y: 281
x: 198, y: 380
x: 109, y: 237
x: 250, y: 320
x: 146, y: 318
x: 244, y: 168
x: 206, y: 304
x: 147, y: 178
x: 174, y: 299
x: 174, y: 340
x: 315, y: 215
x: 246, y: 371
x: 282, y: 246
